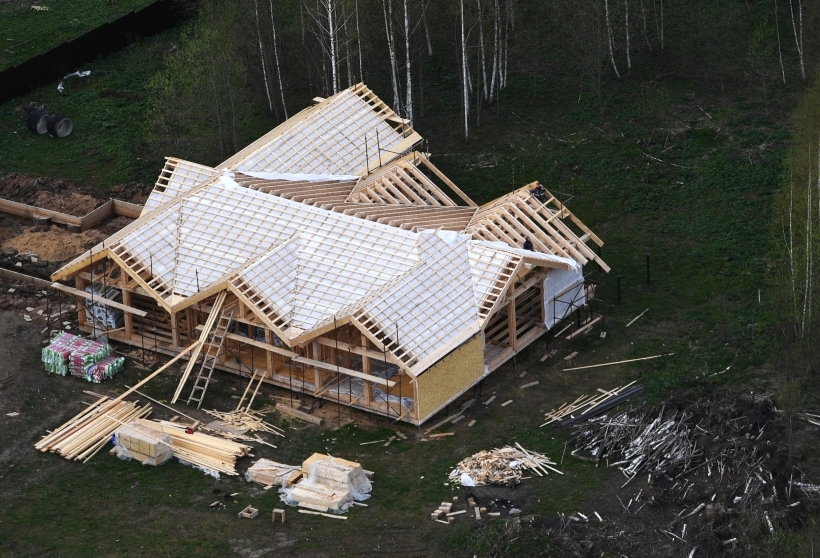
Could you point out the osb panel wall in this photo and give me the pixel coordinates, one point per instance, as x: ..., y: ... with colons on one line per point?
x: 452, y: 374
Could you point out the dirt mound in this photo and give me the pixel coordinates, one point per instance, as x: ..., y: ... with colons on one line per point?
x: 55, y: 244
x: 63, y: 196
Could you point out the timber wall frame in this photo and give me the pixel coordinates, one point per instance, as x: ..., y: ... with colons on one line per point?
x: 327, y: 366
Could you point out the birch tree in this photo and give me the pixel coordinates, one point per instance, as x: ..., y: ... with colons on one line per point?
x: 589, y: 35
x: 464, y: 80
x: 262, y: 54
x: 387, y: 11
x: 610, y: 40
x: 626, y: 14
x: 408, y: 107
x: 276, y: 60
x: 797, y: 28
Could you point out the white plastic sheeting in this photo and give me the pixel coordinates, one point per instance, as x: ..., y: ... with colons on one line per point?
x: 184, y: 176
x: 433, y: 302
x: 295, y: 177
x: 563, y: 292
x: 329, y: 140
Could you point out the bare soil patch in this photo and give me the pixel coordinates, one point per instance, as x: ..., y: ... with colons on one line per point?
x: 55, y: 244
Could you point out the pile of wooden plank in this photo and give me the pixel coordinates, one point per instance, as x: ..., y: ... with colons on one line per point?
x: 329, y: 484
x: 270, y: 473
x: 504, y: 466
x: 587, y: 406
x: 209, y: 453
x: 87, y: 433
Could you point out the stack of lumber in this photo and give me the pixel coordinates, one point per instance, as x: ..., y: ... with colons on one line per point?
x: 586, y: 406
x: 149, y: 447
x: 210, y: 454
x: 88, y: 432
x: 329, y: 484
x: 271, y: 473
x: 501, y: 466
x: 246, y: 420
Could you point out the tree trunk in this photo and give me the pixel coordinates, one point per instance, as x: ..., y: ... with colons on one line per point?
x: 408, y: 109
x: 359, y: 39
x: 276, y: 60
x: 779, y: 50
x: 628, y: 59
x: 798, y: 33
x: 464, y: 84
x: 329, y: 6
x: 645, y: 33
x: 348, y: 59
x: 387, y: 10
x: 262, y: 56
x: 426, y: 30
x: 609, y: 39
x: 481, y: 49
x: 496, y: 38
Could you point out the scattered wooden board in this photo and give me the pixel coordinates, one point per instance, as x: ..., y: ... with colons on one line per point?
x: 506, y: 403
x: 472, y: 422
x: 442, y: 434
x: 490, y: 400
x: 635, y: 319
x: 299, y: 414
x: 525, y: 386
x: 571, y: 356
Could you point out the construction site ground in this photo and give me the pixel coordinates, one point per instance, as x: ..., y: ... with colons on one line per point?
x: 110, y: 507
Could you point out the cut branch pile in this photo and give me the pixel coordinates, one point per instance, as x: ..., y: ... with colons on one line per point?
x: 209, y: 453
x: 88, y: 432
x: 586, y: 406
x: 504, y: 466
x: 634, y: 441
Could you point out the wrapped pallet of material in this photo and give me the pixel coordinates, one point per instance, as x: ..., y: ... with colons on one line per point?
x: 105, y: 316
x: 147, y: 446
x: 86, y: 354
x: 331, y: 483
x: 55, y: 356
x: 271, y: 473
x: 104, y: 369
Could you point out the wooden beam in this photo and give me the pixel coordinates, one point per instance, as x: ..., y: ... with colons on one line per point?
x: 42, y: 283
x: 157, y: 372
x: 360, y: 351
x: 446, y: 180
x: 98, y: 300
x: 512, y: 332
x: 298, y: 414
x: 347, y: 371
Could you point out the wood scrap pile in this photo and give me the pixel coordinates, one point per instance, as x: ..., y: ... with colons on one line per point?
x: 88, y: 432
x: 636, y: 440
x: 586, y: 406
x: 245, y: 420
x: 211, y: 454
x: 505, y: 466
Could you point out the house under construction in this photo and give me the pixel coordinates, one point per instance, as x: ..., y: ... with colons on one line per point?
x: 332, y: 258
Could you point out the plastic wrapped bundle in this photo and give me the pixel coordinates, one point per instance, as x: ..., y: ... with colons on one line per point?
x: 147, y: 446
x: 90, y: 352
x: 269, y: 473
x: 55, y: 356
x: 104, y: 369
x: 105, y: 316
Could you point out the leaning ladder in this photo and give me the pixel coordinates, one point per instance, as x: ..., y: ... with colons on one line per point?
x: 212, y: 349
x: 216, y: 311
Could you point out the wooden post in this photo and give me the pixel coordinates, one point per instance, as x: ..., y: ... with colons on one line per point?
x: 511, y: 325
x: 79, y: 283
x: 174, y: 330
x: 368, y: 388
x: 269, y: 354
x: 318, y: 375
x: 127, y: 317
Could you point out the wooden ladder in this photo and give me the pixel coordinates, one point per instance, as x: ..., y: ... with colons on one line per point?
x: 203, y: 338
x: 213, y: 348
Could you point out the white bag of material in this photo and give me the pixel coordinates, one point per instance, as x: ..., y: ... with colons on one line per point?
x: 467, y: 480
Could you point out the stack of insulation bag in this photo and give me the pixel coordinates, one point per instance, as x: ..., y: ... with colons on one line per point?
x: 81, y: 357
x: 105, y: 316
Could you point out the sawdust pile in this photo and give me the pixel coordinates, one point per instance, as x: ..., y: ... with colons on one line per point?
x: 55, y: 244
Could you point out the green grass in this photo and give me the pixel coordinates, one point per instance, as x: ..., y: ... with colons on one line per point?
x: 107, y: 109
x: 27, y: 32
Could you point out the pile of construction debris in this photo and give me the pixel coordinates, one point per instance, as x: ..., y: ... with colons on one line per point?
x: 504, y: 466
x: 717, y: 460
x: 447, y: 515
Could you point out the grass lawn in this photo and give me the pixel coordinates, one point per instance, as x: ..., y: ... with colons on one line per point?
x: 27, y: 32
